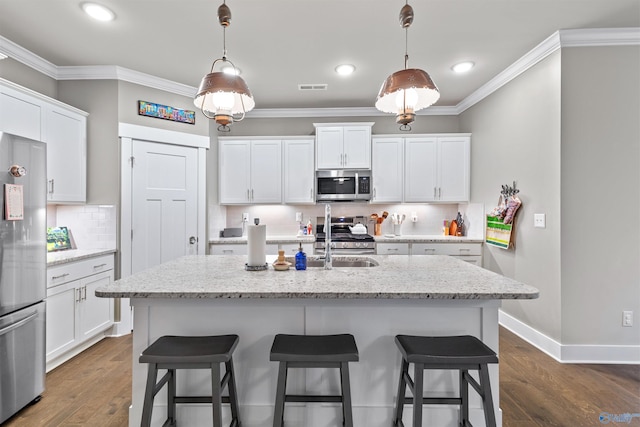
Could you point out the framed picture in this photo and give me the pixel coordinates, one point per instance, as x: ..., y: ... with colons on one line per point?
x: 165, y: 112
x: 58, y: 239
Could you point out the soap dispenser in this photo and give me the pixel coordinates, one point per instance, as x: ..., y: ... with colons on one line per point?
x: 301, y: 259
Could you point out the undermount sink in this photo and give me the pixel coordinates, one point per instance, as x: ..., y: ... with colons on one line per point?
x: 338, y: 262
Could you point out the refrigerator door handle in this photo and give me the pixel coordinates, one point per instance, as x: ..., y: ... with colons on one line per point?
x: 18, y: 323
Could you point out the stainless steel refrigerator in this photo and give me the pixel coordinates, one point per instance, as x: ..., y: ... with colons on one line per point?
x: 23, y: 261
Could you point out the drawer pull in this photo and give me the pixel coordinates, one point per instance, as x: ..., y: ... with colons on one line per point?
x: 60, y: 276
x: 465, y: 249
x: 392, y: 249
x: 227, y: 251
x: 429, y: 249
x: 100, y: 265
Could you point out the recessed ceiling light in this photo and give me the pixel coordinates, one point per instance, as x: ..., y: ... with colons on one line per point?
x: 463, y: 67
x: 345, y: 69
x: 98, y: 12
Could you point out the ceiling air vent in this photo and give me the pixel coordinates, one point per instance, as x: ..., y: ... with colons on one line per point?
x: 319, y: 86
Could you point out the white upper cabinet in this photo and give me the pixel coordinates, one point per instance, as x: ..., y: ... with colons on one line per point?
x: 20, y: 114
x: 65, y: 133
x: 387, y: 169
x: 64, y: 130
x: 421, y: 170
x: 343, y: 145
x: 299, y: 177
x: 250, y: 171
x: 437, y: 169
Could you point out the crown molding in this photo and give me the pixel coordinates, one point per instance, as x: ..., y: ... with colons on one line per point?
x: 559, y: 39
x: 114, y: 72
x: 20, y: 54
x: 267, y: 113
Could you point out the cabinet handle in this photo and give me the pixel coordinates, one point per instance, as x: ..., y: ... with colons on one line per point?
x: 392, y: 249
x: 248, y: 197
x: 79, y: 296
x: 345, y: 159
x: 429, y: 250
x: 439, y: 192
x: 341, y: 162
x: 60, y: 276
x: 464, y: 249
x: 434, y: 192
x: 100, y: 265
x: 51, y: 186
x: 252, y: 194
x: 311, y: 194
x: 227, y: 251
x: 84, y: 293
x: 374, y: 192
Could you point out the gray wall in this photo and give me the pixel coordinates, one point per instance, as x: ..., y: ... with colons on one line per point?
x: 600, y: 194
x: 20, y: 74
x: 516, y: 137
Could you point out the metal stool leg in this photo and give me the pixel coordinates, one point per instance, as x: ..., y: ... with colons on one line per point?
x: 147, y: 406
x: 216, y: 395
x: 280, y: 395
x: 347, y: 413
x: 464, y: 397
x: 487, y: 399
x: 417, y: 393
x: 233, y: 393
x: 402, y: 388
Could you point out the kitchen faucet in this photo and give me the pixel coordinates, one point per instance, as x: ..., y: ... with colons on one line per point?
x: 327, y: 237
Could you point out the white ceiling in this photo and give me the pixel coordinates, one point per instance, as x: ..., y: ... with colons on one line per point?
x: 279, y: 44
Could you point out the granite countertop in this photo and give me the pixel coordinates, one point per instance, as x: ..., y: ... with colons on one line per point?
x: 387, y: 238
x: 270, y: 239
x: 71, y: 255
x: 396, y: 277
x: 426, y: 238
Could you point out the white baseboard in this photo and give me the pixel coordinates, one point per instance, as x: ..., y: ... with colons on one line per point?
x: 609, y: 354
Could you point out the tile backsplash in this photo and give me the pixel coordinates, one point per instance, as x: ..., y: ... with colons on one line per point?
x: 92, y: 226
x: 280, y: 219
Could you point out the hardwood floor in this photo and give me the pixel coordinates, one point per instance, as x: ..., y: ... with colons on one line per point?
x: 94, y: 389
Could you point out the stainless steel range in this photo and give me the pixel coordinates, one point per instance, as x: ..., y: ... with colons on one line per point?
x: 349, y: 236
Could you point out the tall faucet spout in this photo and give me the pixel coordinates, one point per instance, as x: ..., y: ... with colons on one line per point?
x: 327, y: 237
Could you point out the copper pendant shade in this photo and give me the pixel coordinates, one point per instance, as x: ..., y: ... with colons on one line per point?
x: 224, y: 97
x: 407, y: 91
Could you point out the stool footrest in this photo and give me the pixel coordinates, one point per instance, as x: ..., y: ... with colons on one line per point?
x: 199, y: 399
x: 312, y: 398
x: 435, y: 401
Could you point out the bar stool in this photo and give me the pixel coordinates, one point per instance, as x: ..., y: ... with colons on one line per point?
x: 183, y: 352
x: 463, y: 353
x: 313, y: 351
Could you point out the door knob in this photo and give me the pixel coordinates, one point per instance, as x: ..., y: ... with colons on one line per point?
x: 192, y: 240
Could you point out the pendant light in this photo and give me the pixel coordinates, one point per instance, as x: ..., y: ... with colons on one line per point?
x: 409, y: 90
x: 224, y: 96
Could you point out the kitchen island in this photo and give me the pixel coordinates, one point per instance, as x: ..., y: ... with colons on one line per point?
x: 421, y: 295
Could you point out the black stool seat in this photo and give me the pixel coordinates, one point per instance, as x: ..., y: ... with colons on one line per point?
x: 314, y: 348
x: 458, y: 350
x: 313, y: 351
x: 462, y: 353
x: 191, y: 352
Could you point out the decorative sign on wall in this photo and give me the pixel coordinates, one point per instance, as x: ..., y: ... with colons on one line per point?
x: 166, y: 112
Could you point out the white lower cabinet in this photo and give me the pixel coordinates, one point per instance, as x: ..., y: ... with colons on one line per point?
x: 392, y: 248
x: 228, y: 249
x: 75, y: 316
x: 469, y: 252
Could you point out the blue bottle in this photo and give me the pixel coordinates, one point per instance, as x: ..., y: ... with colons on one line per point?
x: 301, y: 259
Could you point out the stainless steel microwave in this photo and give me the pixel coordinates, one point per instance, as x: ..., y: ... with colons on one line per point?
x: 343, y: 185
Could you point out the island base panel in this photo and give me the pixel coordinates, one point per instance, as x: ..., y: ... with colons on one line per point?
x: 374, y: 323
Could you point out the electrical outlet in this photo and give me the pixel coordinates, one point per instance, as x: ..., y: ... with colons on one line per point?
x: 299, y: 216
x: 627, y: 318
x: 414, y: 216
x: 245, y: 216
x: 539, y: 220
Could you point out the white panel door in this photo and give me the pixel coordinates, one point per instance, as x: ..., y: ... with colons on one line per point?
x: 164, y: 203
x: 298, y: 171
x: 357, y: 147
x: 329, y: 148
x: 454, y: 169
x: 266, y: 171
x: 235, y: 172
x: 96, y: 314
x: 20, y: 115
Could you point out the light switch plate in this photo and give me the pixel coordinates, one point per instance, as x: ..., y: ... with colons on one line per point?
x: 539, y: 220
x: 299, y: 216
